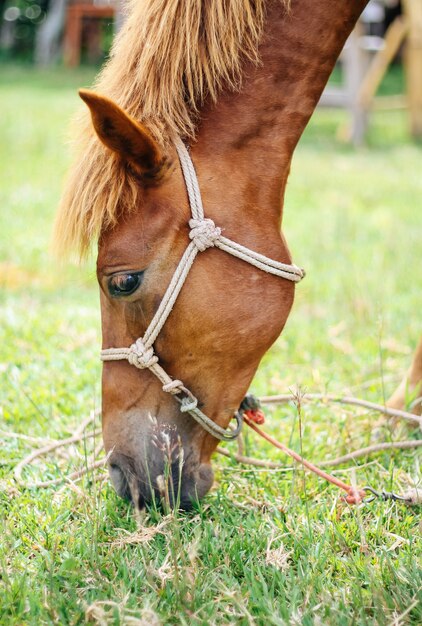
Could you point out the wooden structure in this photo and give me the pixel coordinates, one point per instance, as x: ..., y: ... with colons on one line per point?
x: 413, y: 58
x: 78, y: 12
x: 365, y: 61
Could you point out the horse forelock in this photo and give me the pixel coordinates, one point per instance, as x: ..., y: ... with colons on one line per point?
x: 169, y: 56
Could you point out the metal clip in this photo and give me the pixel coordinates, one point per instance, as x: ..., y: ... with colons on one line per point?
x: 383, y: 495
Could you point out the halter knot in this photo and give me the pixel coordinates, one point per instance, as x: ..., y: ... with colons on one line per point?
x: 140, y: 356
x: 204, y: 233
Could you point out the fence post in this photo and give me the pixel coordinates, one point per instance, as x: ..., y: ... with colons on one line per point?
x: 413, y: 64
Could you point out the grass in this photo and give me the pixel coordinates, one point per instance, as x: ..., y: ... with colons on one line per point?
x: 264, y: 547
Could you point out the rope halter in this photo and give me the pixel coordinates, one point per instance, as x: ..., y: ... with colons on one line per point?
x: 203, y: 234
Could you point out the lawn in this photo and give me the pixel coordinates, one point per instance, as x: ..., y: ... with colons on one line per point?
x: 265, y: 547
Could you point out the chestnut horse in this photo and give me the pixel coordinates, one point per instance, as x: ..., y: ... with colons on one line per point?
x: 238, y: 82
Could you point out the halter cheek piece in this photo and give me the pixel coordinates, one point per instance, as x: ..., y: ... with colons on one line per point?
x: 203, y: 234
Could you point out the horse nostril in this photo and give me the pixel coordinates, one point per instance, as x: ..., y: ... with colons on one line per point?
x: 141, y: 502
x: 119, y: 481
x: 206, y: 474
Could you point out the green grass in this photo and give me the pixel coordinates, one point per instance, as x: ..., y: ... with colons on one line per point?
x: 264, y: 547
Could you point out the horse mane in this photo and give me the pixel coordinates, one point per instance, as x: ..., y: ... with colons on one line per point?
x: 169, y: 56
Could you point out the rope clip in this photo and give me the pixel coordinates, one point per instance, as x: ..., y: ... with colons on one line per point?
x: 383, y: 495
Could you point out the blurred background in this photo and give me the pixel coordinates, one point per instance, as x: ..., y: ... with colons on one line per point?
x: 49, y: 32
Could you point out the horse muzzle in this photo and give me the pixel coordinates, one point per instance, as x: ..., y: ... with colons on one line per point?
x: 164, y: 480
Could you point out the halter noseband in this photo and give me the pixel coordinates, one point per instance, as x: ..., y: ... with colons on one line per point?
x: 203, y: 234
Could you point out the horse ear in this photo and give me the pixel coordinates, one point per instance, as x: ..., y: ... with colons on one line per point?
x: 124, y: 135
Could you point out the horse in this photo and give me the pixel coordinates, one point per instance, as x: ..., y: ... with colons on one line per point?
x: 184, y: 156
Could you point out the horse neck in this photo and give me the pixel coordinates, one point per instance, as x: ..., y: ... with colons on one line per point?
x: 257, y: 129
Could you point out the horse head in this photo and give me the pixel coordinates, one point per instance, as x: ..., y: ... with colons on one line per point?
x: 226, y: 316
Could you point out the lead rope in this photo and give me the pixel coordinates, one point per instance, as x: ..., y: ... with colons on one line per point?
x: 203, y: 234
x: 354, y: 495
x: 252, y: 415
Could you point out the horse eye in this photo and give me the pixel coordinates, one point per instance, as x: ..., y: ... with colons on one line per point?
x: 124, y: 284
